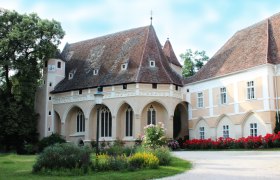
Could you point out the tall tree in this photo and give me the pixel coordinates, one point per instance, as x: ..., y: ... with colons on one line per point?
x: 26, y: 41
x: 193, y: 61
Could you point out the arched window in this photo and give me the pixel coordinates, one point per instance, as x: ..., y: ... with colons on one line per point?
x: 151, y: 115
x: 129, y: 122
x: 106, y: 122
x: 80, y: 121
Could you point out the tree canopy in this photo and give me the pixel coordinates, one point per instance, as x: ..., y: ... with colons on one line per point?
x: 193, y: 61
x: 26, y: 41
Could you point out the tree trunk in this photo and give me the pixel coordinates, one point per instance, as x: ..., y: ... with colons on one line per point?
x: 9, y: 86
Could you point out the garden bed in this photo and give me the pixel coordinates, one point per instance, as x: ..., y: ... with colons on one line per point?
x: 20, y: 167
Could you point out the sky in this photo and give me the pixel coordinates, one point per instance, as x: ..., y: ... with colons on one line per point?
x: 189, y: 24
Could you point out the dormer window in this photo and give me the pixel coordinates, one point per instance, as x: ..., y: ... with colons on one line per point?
x: 152, y: 63
x: 124, y: 66
x: 70, y: 76
x: 95, y: 72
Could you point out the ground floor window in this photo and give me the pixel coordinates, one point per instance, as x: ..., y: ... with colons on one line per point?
x: 253, y: 129
x: 151, y: 115
x: 201, y: 133
x: 106, y: 122
x: 225, y: 131
x: 80, y: 122
x: 129, y: 122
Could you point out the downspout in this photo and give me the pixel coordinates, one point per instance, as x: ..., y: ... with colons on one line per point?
x: 276, y: 93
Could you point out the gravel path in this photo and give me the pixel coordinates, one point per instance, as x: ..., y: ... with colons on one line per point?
x: 231, y: 165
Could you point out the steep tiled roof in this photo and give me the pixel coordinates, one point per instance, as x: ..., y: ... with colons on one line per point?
x: 136, y: 47
x: 168, y: 51
x: 256, y: 45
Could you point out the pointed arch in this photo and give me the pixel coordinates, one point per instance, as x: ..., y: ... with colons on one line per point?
x: 180, y: 120
x: 69, y: 108
x: 253, y: 125
x: 245, y: 117
x: 125, y: 120
x: 155, y: 101
x: 225, y: 127
x: 202, y: 129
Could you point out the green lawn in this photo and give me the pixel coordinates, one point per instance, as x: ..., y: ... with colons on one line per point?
x: 15, y: 167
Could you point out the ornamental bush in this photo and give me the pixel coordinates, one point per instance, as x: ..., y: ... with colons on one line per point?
x: 250, y: 142
x: 102, y: 162
x: 154, y: 136
x: 142, y: 160
x: 63, y: 156
x: 50, y: 140
x: 163, y: 154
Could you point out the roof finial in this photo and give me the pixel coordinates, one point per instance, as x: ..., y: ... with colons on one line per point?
x: 151, y: 17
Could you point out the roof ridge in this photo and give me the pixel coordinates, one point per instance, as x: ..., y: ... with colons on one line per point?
x: 108, y: 35
x: 141, y: 61
x: 157, y: 41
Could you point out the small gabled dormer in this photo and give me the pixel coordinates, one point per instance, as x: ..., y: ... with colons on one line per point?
x: 71, y: 74
x: 124, y: 66
x: 152, y: 63
x: 95, y: 71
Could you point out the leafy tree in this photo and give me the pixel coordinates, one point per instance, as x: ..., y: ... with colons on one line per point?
x: 26, y: 41
x: 193, y: 61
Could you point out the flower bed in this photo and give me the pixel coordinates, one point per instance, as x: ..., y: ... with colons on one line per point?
x: 250, y: 142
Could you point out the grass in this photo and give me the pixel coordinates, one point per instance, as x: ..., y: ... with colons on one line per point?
x: 16, y: 167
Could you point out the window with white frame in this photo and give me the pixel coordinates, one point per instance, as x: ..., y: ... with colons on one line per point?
x: 124, y: 66
x: 250, y: 90
x: 106, y: 122
x: 152, y: 63
x: 200, y: 99
x: 70, y: 76
x: 95, y: 72
x: 201, y: 133
x: 80, y: 121
x: 223, y: 95
x: 129, y: 121
x: 151, y: 115
x: 253, y: 129
x: 225, y: 131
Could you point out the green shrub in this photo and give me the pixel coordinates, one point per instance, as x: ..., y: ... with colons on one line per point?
x: 50, y: 140
x: 143, y: 159
x: 118, y: 163
x: 63, y: 156
x: 102, y: 162
x: 154, y: 136
x: 163, y: 154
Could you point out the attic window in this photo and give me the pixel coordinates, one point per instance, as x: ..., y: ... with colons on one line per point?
x: 70, y: 76
x: 124, y: 66
x: 154, y: 86
x: 95, y: 72
x: 152, y: 64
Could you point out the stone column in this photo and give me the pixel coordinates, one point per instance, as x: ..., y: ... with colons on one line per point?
x: 63, y: 129
x: 137, y: 125
x: 86, y: 140
x: 169, y: 126
x: 114, y: 128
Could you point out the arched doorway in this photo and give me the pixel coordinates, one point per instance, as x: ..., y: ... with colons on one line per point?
x: 180, y: 121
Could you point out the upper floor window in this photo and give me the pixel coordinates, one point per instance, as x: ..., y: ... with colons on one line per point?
x: 201, y: 133
x: 124, y: 86
x: 151, y: 115
x: 223, y: 95
x: 80, y: 91
x: 253, y: 129
x: 152, y: 63
x: 80, y: 122
x: 58, y: 64
x: 200, y: 99
x: 176, y: 87
x: 250, y: 90
x: 225, y: 131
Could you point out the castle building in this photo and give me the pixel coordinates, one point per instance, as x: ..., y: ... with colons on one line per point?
x: 234, y: 95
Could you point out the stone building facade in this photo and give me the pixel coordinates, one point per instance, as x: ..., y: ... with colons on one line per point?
x: 234, y: 95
